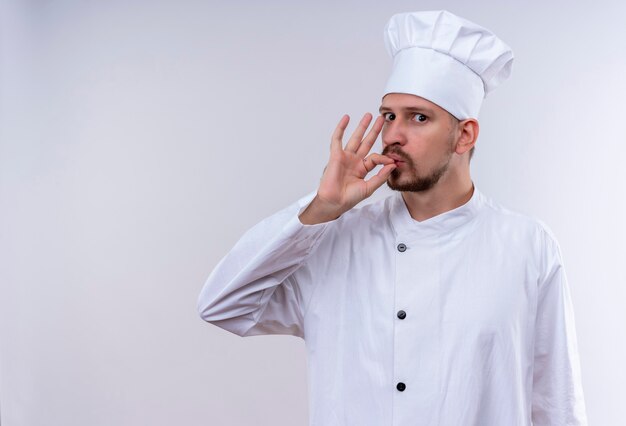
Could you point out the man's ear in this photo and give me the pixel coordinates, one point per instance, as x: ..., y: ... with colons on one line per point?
x: 468, y: 129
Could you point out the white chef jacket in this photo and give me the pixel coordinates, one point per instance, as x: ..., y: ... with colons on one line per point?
x: 462, y: 319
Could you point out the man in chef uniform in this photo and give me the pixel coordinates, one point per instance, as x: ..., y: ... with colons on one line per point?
x: 435, y: 305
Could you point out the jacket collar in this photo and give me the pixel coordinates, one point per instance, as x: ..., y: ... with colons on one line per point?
x: 407, y: 228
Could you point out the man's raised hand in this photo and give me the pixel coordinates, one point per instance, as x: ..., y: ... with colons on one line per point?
x: 343, y: 183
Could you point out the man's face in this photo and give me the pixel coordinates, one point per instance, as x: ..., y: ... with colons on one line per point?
x: 420, y: 135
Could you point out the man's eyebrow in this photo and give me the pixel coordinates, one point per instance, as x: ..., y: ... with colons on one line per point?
x: 409, y: 109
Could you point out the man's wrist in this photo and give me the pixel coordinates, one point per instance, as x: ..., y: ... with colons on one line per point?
x: 316, y: 213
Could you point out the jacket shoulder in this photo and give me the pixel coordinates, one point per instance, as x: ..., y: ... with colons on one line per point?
x: 510, y: 220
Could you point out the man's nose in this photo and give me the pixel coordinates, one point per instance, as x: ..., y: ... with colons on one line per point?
x: 393, y: 132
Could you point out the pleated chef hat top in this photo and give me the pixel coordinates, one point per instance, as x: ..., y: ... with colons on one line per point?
x: 445, y: 59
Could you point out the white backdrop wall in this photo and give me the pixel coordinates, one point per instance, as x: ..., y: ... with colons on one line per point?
x: 140, y: 139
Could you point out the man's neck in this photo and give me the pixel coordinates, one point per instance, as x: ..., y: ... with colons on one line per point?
x: 446, y: 195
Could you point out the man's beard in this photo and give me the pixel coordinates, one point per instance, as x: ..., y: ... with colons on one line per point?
x: 412, y: 181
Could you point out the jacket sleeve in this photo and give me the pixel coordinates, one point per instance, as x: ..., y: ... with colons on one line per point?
x: 557, y: 397
x: 252, y: 290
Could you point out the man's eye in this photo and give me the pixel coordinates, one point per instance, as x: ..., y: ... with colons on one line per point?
x: 420, y: 117
x: 389, y: 116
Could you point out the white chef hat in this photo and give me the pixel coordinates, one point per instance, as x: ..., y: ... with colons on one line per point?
x: 445, y: 59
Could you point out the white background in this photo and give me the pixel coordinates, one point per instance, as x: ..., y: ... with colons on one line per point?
x: 140, y: 139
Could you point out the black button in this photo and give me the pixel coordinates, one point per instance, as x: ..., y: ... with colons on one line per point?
x: 401, y: 387
x: 401, y: 314
x: 401, y: 247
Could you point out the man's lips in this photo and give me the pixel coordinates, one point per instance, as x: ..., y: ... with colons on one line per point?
x: 396, y: 158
